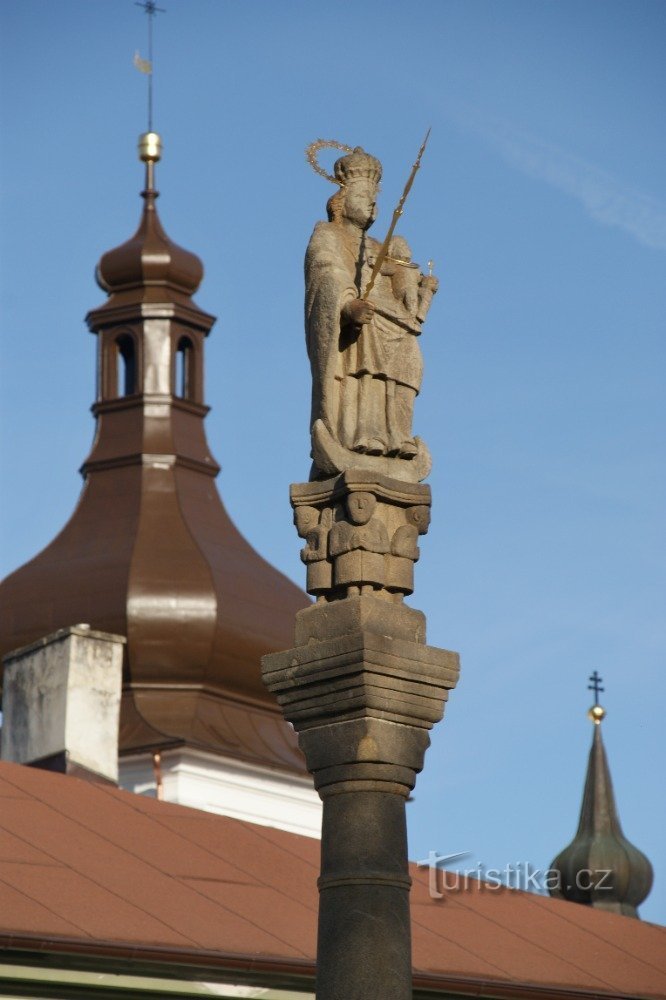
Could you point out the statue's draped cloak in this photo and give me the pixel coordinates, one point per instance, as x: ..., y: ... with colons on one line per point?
x: 337, y: 267
x: 330, y: 282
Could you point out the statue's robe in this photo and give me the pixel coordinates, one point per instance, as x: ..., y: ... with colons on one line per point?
x: 332, y: 279
x: 337, y: 268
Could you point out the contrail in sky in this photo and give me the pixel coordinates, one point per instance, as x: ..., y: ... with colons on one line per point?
x: 605, y: 198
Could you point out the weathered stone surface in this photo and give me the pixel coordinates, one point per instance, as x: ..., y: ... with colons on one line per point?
x: 363, y: 347
x: 363, y: 690
x: 357, y: 545
x: 369, y: 750
x: 362, y: 704
x: 61, y: 702
x: 314, y: 525
x: 364, y: 941
x: 361, y: 531
x: 360, y: 686
x: 361, y: 613
x: 383, y: 677
x: 330, y: 457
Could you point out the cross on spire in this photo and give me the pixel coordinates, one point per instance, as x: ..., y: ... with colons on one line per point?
x: 595, y: 685
x: 150, y: 7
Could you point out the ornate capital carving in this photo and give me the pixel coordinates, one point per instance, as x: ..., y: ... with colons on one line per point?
x: 361, y: 532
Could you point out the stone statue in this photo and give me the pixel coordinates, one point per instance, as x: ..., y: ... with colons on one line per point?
x: 314, y: 528
x: 405, y: 551
x: 365, y: 359
x: 360, y: 686
x: 358, y: 546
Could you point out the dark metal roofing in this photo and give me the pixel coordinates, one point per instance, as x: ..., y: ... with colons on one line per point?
x: 601, y: 847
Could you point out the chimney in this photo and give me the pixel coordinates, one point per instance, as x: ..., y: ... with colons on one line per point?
x: 61, y: 703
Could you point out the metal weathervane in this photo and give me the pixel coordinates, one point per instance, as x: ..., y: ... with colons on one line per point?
x: 146, y: 65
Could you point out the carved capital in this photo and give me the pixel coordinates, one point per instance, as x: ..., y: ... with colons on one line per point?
x: 361, y: 531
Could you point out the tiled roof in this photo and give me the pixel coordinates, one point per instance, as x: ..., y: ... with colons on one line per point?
x: 93, y: 869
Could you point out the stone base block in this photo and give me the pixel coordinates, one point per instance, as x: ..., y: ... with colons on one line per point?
x: 359, y: 614
x: 362, y: 674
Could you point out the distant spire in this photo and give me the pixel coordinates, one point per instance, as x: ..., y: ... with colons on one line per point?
x: 600, y: 867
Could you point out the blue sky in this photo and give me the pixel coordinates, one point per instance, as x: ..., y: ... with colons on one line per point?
x: 542, y: 201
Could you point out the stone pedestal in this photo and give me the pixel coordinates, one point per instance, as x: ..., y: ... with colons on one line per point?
x: 362, y: 689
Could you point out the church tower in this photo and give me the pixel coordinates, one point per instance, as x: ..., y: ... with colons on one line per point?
x: 150, y: 554
x: 600, y: 867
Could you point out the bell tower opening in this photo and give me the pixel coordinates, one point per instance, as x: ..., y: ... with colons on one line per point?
x: 184, y: 374
x: 125, y: 366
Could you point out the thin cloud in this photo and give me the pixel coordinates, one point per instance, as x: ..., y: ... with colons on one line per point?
x: 604, y: 197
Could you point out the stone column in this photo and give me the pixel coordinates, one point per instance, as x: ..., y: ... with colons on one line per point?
x: 362, y: 689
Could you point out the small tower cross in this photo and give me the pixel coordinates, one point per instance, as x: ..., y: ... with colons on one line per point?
x: 595, y: 686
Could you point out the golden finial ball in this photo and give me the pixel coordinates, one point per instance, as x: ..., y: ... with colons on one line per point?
x: 150, y: 147
x: 596, y: 714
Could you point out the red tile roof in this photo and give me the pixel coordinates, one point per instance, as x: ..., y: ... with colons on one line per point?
x: 90, y: 869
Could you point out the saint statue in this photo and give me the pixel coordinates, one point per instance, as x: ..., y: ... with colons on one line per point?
x: 364, y: 354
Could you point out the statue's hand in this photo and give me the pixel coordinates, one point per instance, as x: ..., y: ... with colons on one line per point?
x: 358, y: 312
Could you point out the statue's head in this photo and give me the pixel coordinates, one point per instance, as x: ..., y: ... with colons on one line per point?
x: 361, y: 506
x: 400, y: 248
x: 419, y: 516
x: 358, y: 175
x: 305, y: 519
x: 357, y: 165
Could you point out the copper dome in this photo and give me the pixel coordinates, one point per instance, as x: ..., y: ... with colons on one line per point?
x: 149, y: 258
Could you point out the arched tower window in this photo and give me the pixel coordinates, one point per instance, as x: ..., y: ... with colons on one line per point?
x: 184, y: 384
x: 126, y: 366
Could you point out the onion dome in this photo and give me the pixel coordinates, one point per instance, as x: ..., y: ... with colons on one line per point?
x: 600, y: 867
x: 150, y: 260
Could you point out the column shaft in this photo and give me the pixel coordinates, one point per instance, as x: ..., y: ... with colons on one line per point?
x: 364, y: 944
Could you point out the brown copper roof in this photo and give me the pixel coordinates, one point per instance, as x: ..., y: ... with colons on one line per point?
x: 93, y: 870
x: 150, y: 551
x: 149, y: 259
